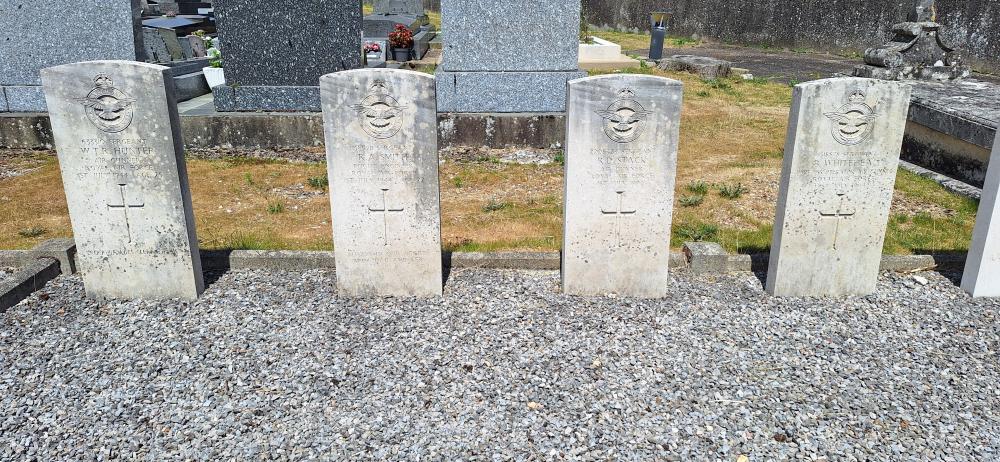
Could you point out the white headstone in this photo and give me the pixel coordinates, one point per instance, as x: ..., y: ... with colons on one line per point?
x: 117, y: 134
x: 841, y: 157
x: 982, y: 266
x: 381, y: 142
x: 621, y: 162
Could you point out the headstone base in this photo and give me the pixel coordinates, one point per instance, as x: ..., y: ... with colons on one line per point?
x: 935, y: 73
x: 23, y: 98
x: 259, y: 98
x: 503, y: 91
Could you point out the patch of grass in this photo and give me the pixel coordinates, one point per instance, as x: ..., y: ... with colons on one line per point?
x: 248, y: 179
x: 34, y: 231
x: 560, y: 158
x: 732, y: 191
x: 248, y: 240
x: 495, y: 205
x: 319, y: 182
x: 697, y: 232
x: 704, y: 93
x: 275, y: 207
x: 640, y: 41
x: 945, y: 224
x: 693, y: 200
x: 698, y: 187
x: 457, y: 181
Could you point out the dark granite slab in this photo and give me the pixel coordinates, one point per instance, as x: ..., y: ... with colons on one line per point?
x: 288, y: 42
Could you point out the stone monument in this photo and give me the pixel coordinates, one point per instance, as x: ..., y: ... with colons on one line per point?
x: 381, y: 141
x: 55, y: 32
x: 117, y: 134
x: 841, y: 156
x: 403, y: 7
x: 915, y: 52
x: 982, y: 266
x: 621, y: 163
x: 509, y: 56
x: 279, y: 70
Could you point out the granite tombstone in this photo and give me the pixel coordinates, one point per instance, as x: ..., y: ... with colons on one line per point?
x: 510, y: 56
x: 841, y: 156
x: 117, y: 134
x: 48, y: 33
x: 404, y: 7
x: 621, y: 159
x: 279, y: 70
x: 381, y: 139
x: 982, y: 266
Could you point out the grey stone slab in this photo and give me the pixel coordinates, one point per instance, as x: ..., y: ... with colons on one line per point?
x: 25, y: 98
x: 621, y: 166
x: 197, y: 45
x: 407, y: 7
x: 511, y: 35
x: 379, y: 25
x: 155, y: 48
x: 3, y: 99
x: 186, y: 48
x: 36, y: 35
x: 191, y: 86
x: 503, y: 91
x: 261, y: 98
x: 117, y: 134
x: 288, y: 42
x: 968, y: 110
x: 173, y: 45
x: 841, y: 158
x: 26, y: 281
x: 706, y: 67
x: 381, y: 140
x: 982, y: 270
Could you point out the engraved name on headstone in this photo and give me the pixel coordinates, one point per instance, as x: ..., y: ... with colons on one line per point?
x: 621, y: 158
x: 118, y: 139
x: 381, y: 138
x: 982, y: 267
x: 841, y: 156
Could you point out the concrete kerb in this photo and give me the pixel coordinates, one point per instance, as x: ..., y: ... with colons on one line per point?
x: 50, y: 258
x: 26, y: 281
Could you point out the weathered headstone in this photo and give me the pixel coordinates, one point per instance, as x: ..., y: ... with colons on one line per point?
x: 509, y: 56
x: 279, y: 70
x: 405, y: 7
x: 117, y: 134
x: 621, y: 159
x: 982, y: 266
x: 381, y: 138
x: 841, y: 156
x: 36, y: 35
x: 197, y: 45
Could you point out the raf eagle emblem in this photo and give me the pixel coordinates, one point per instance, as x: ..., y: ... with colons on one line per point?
x: 625, y: 118
x: 381, y: 114
x: 107, y: 107
x: 854, y: 122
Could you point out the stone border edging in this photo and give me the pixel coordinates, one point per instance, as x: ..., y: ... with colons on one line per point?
x: 947, y: 182
x: 27, y: 280
x: 56, y: 256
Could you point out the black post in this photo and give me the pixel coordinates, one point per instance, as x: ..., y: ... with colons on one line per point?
x: 658, y: 21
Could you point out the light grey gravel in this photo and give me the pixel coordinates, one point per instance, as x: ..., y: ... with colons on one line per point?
x: 277, y: 366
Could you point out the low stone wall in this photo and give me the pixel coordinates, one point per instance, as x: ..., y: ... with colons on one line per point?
x: 832, y: 25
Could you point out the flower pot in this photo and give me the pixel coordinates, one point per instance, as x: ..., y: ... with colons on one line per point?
x: 401, y: 54
x: 374, y: 56
x: 214, y: 76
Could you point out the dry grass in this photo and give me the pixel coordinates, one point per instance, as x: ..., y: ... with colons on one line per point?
x: 630, y: 41
x: 732, y: 133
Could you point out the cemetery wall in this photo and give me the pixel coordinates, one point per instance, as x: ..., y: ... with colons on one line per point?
x: 831, y: 25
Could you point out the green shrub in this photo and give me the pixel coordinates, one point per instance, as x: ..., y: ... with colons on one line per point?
x: 732, y: 191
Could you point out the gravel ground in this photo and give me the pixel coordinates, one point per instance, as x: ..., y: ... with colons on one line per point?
x: 278, y: 366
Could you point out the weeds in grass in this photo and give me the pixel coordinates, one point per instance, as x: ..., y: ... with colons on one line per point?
x: 248, y: 179
x: 704, y: 93
x: 560, y: 158
x: 693, y: 200
x: 248, y: 240
x: 275, y: 207
x: 33, y: 231
x: 319, y: 182
x: 758, y: 81
x: 698, y: 187
x: 732, y: 191
x: 495, y: 205
x: 697, y: 232
x: 457, y: 182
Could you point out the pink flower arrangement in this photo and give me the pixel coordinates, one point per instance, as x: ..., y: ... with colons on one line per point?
x: 372, y: 47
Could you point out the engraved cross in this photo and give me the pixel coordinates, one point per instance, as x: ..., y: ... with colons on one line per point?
x: 619, y: 213
x: 385, y: 210
x: 125, y: 206
x: 840, y: 214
